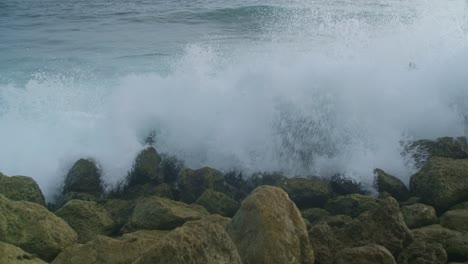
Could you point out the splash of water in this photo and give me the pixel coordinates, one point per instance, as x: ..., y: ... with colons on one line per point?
x: 331, y: 92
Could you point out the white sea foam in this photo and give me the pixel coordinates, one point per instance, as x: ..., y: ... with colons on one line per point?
x: 330, y: 92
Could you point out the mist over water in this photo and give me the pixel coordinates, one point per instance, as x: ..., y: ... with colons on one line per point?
x: 305, y: 88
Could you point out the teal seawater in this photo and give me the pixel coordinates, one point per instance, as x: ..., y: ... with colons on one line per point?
x: 304, y: 87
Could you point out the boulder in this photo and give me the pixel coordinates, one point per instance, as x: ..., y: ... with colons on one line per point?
x: 33, y: 228
x: 455, y: 220
x: 422, y: 252
x: 463, y: 205
x: 268, y: 228
x: 106, y: 250
x: 369, y: 254
x: 419, y: 215
x: 21, y: 188
x: 10, y: 254
x: 307, y: 193
x: 87, y: 219
x: 383, y: 225
x: 434, y: 234
x: 388, y: 183
x: 196, y: 242
x: 163, y: 214
x: 146, y: 168
x: 193, y: 183
x: 119, y: 210
x: 447, y: 147
x: 457, y: 247
x: 218, y: 203
x: 351, y: 204
x: 314, y: 215
x: 83, y: 177
x: 442, y: 182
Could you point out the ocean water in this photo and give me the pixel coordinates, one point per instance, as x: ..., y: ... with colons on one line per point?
x: 304, y: 87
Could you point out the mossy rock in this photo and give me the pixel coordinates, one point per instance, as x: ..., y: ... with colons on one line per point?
x: 385, y: 182
x: 201, y: 241
x: 163, y: 214
x: 382, y: 225
x: 146, y: 168
x: 368, y: 254
x: 463, y: 205
x: 457, y: 247
x: 455, y: 220
x: 420, y: 252
x: 21, y: 188
x: 447, y: 147
x: 218, y: 203
x: 106, y: 250
x: 66, y: 197
x: 83, y: 177
x: 10, y: 254
x: 307, y: 193
x: 314, y: 215
x: 120, y: 211
x: 268, y: 228
x: 193, y: 183
x: 419, y: 215
x: 442, y: 182
x: 87, y: 219
x: 33, y: 228
x: 352, y: 204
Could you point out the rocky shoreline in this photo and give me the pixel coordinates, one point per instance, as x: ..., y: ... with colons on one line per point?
x: 165, y: 213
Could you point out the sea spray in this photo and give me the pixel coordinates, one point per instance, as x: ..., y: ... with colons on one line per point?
x: 328, y: 89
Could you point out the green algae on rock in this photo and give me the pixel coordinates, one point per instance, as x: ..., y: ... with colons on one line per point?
x: 21, y: 188
x: 87, y: 219
x: 442, y: 182
x: 10, y: 254
x: 307, y: 193
x: 33, y: 228
x: 419, y: 215
x: 385, y: 182
x: 352, y: 204
x: 268, y: 228
x: 163, y: 214
x: 192, y: 183
x: 368, y: 254
x: 218, y: 203
x: 203, y: 241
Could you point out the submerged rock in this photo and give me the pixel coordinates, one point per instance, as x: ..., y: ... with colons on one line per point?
x: 218, y: 203
x: 10, y: 254
x: 196, y: 242
x: 33, y: 228
x: 419, y: 215
x: 106, y: 250
x: 388, y: 183
x: 21, y: 188
x: 193, y: 183
x: 352, y: 204
x: 442, y: 182
x: 268, y: 228
x: 87, y: 219
x: 307, y: 193
x: 369, y: 254
x: 163, y: 214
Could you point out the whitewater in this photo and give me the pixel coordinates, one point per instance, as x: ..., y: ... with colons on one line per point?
x: 302, y: 87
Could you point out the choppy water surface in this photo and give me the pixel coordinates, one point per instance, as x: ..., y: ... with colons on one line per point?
x: 305, y: 87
